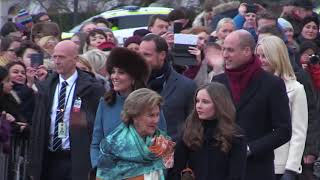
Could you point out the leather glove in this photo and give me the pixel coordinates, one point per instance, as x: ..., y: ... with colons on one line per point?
x: 288, y: 175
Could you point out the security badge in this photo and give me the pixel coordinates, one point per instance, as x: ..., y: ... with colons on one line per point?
x: 77, y: 105
x: 62, y: 130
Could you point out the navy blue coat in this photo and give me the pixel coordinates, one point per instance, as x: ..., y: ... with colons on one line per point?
x: 208, y: 162
x: 178, y: 95
x: 264, y: 115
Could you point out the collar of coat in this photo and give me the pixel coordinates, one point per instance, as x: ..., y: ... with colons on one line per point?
x: 84, y: 82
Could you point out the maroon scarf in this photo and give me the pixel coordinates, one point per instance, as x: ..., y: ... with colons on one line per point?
x: 239, y: 78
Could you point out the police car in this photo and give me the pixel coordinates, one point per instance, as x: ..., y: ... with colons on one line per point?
x: 124, y: 20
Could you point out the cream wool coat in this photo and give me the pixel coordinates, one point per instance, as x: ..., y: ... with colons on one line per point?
x: 289, y: 155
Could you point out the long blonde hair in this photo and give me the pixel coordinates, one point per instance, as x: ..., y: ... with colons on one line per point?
x: 276, y: 52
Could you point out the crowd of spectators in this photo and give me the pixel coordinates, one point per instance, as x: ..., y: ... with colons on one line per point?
x: 86, y: 107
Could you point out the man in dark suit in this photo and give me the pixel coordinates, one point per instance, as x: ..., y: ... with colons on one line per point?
x: 63, y: 119
x: 176, y: 89
x: 261, y: 102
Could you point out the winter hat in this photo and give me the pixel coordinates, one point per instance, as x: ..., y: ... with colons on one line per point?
x: 3, y: 73
x: 141, y: 32
x: 251, y: 8
x: 106, y: 46
x: 284, y: 24
x: 23, y: 17
x: 307, y: 44
x: 306, y: 4
x: 309, y: 19
x: 131, y: 62
x: 132, y: 39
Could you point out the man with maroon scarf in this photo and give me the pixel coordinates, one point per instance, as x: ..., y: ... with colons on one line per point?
x: 261, y: 103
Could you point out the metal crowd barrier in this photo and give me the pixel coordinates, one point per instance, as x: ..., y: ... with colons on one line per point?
x: 3, y: 164
x: 13, y: 166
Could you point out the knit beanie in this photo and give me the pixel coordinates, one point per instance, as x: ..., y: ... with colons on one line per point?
x: 132, y: 39
x: 251, y: 8
x: 23, y: 17
x: 307, y: 44
x: 284, y: 23
x: 141, y: 32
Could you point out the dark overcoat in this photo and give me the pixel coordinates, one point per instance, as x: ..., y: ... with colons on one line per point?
x: 264, y: 115
x: 89, y: 90
x: 178, y: 95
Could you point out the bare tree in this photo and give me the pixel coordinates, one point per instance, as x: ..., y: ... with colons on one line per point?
x: 55, y: 5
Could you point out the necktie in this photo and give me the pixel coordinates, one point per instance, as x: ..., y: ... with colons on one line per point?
x: 57, y: 142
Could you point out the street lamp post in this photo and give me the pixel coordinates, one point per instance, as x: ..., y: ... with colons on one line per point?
x: 75, y: 11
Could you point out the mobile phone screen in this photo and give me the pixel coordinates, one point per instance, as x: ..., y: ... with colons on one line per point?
x: 36, y: 60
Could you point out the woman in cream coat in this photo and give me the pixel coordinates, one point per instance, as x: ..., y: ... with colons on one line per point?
x: 274, y: 56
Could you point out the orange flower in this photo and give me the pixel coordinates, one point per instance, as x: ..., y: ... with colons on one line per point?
x: 163, y: 148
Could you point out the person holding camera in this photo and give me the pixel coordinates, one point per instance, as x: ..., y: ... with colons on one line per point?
x: 32, y: 56
x: 309, y: 60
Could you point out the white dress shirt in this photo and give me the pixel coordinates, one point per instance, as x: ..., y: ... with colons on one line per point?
x: 68, y: 107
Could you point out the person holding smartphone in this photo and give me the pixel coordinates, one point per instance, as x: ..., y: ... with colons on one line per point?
x: 35, y: 68
x: 246, y: 19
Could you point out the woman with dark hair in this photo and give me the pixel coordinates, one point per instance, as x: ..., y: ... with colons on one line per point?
x: 7, y: 50
x: 95, y: 38
x: 128, y: 71
x: 23, y: 98
x: 310, y: 30
x: 212, y: 145
x: 7, y: 109
x: 17, y: 76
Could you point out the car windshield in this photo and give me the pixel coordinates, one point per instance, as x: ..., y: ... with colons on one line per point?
x: 124, y: 22
x: 132, y: 21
